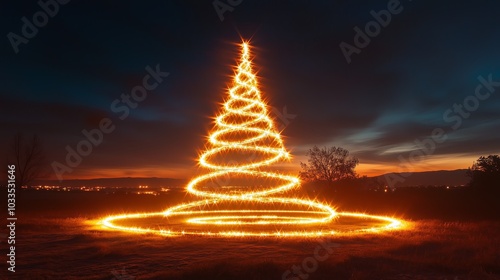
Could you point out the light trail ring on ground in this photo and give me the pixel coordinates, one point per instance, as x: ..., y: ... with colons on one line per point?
x: 384, y: 224
x: 245, y: 131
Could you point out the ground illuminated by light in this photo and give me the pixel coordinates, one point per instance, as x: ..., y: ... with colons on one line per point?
x: 240, y: 191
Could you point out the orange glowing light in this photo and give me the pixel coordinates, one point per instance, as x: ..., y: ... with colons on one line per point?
x: 240, y: 189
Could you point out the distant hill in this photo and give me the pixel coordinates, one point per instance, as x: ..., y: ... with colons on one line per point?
x: 126, y: 182
x: 431, y: 178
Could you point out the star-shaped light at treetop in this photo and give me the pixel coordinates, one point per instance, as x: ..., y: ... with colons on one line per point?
x: 240, y: 190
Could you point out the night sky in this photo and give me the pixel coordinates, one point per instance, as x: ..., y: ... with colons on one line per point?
x: 409, y: 81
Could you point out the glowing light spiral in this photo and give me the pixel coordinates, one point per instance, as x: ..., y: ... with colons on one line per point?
x: 245, y: 116
x: 245, y: 128
x: 239, y: 190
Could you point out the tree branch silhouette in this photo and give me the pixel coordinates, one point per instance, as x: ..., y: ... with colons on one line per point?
x: 29, y: 158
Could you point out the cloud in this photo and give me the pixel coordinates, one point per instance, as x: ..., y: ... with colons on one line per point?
x: 395, y: 91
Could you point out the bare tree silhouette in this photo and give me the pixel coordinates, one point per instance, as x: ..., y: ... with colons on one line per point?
x: 328, y: 165
x: 29, y: 157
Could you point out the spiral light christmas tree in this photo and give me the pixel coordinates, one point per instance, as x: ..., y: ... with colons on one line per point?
x: 242, y: 193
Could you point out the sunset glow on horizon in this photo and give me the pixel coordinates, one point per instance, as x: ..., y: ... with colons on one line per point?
x: 250, y: 140
x: 363, y: 169
x: 238, y: 191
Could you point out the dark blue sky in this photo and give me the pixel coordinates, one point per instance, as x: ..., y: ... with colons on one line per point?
x: 397, y: 89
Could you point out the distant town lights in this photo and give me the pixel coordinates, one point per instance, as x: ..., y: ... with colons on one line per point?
x: 239, y: 191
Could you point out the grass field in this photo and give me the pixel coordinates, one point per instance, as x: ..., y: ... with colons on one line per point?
x: 55, y: 241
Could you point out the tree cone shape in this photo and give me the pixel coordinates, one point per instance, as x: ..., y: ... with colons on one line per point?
x: 243, y: 146
x: 239, y: 192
